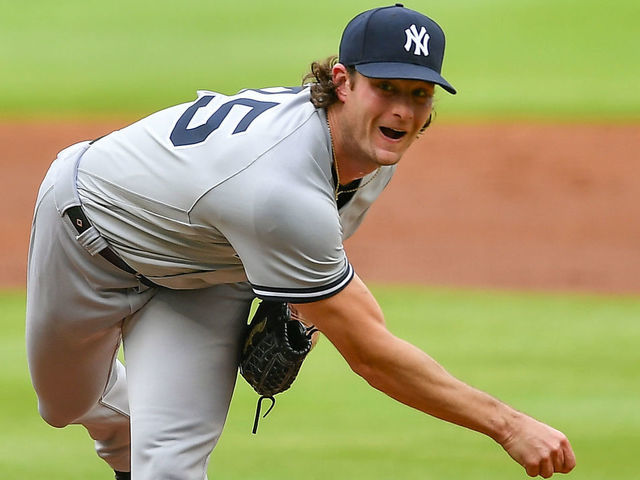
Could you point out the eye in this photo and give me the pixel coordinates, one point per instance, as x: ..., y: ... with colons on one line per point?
x: 422, y: 94
x: 385, y: 86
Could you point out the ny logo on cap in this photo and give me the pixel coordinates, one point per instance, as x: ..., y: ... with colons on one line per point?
x: 420, y: 39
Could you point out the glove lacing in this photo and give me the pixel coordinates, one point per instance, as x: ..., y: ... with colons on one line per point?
x: 257, y: 417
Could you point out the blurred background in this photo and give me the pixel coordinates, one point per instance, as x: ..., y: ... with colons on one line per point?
x: 547, y: 59
x: 507, y: 245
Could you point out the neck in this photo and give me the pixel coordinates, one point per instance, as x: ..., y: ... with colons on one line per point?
x: 346, y: 163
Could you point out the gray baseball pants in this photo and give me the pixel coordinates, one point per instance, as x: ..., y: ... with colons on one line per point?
x: 161, y: 416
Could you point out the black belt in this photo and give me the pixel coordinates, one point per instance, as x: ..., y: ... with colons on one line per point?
x: 82, y: 224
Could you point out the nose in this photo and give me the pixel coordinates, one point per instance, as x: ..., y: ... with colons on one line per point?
x: 403, y: 108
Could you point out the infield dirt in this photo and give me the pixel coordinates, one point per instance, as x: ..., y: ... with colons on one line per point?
x: 545, y: 207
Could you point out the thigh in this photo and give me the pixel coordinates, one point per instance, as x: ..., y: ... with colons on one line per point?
x: 75, y: 307
x: 181, y: 353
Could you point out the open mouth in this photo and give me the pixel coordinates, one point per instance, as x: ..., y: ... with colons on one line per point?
x: 392, y: 133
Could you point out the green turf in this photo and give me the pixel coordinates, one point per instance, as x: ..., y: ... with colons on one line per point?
x: 571, y: 360
x: 548, y: 59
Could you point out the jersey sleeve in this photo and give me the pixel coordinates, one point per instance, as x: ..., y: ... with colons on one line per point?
x: 291, y: 247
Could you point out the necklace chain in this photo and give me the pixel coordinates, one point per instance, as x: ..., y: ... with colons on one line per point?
x: 337, y: 191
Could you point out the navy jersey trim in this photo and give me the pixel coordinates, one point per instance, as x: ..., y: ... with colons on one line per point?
x: 304, y: 295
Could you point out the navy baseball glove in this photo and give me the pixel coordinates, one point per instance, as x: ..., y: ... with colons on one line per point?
x: 275, y: 347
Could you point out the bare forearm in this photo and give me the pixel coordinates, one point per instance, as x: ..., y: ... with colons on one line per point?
x: 407, y: 374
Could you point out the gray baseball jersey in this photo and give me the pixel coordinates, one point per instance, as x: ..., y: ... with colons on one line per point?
x: 225, y: 189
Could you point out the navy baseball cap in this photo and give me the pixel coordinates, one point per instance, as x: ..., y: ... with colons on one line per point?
x: 395, y: 42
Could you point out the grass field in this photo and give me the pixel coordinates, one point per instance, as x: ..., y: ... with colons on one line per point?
x: 548, y: 59
x: 570, y: 360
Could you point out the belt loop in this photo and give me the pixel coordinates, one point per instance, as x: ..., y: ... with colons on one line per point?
x: 92, y: 241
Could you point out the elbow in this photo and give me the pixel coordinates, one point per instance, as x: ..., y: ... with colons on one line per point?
x: 373, y: 358
x: 370, y: 369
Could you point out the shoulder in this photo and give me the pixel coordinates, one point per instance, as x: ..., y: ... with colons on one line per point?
x: 303, y: 212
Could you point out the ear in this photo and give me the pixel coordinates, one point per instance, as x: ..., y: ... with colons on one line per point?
x: 341, y: 80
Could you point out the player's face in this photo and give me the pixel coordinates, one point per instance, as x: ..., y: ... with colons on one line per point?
x: 384, y: 116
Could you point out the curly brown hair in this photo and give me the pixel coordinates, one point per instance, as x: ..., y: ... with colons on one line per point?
x: 323, y: 90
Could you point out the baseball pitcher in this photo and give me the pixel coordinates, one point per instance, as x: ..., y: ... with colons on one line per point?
x: 161, y: 234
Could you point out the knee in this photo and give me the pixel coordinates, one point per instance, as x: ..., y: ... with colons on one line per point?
x: 58, y: 416
x: 54, y: 418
